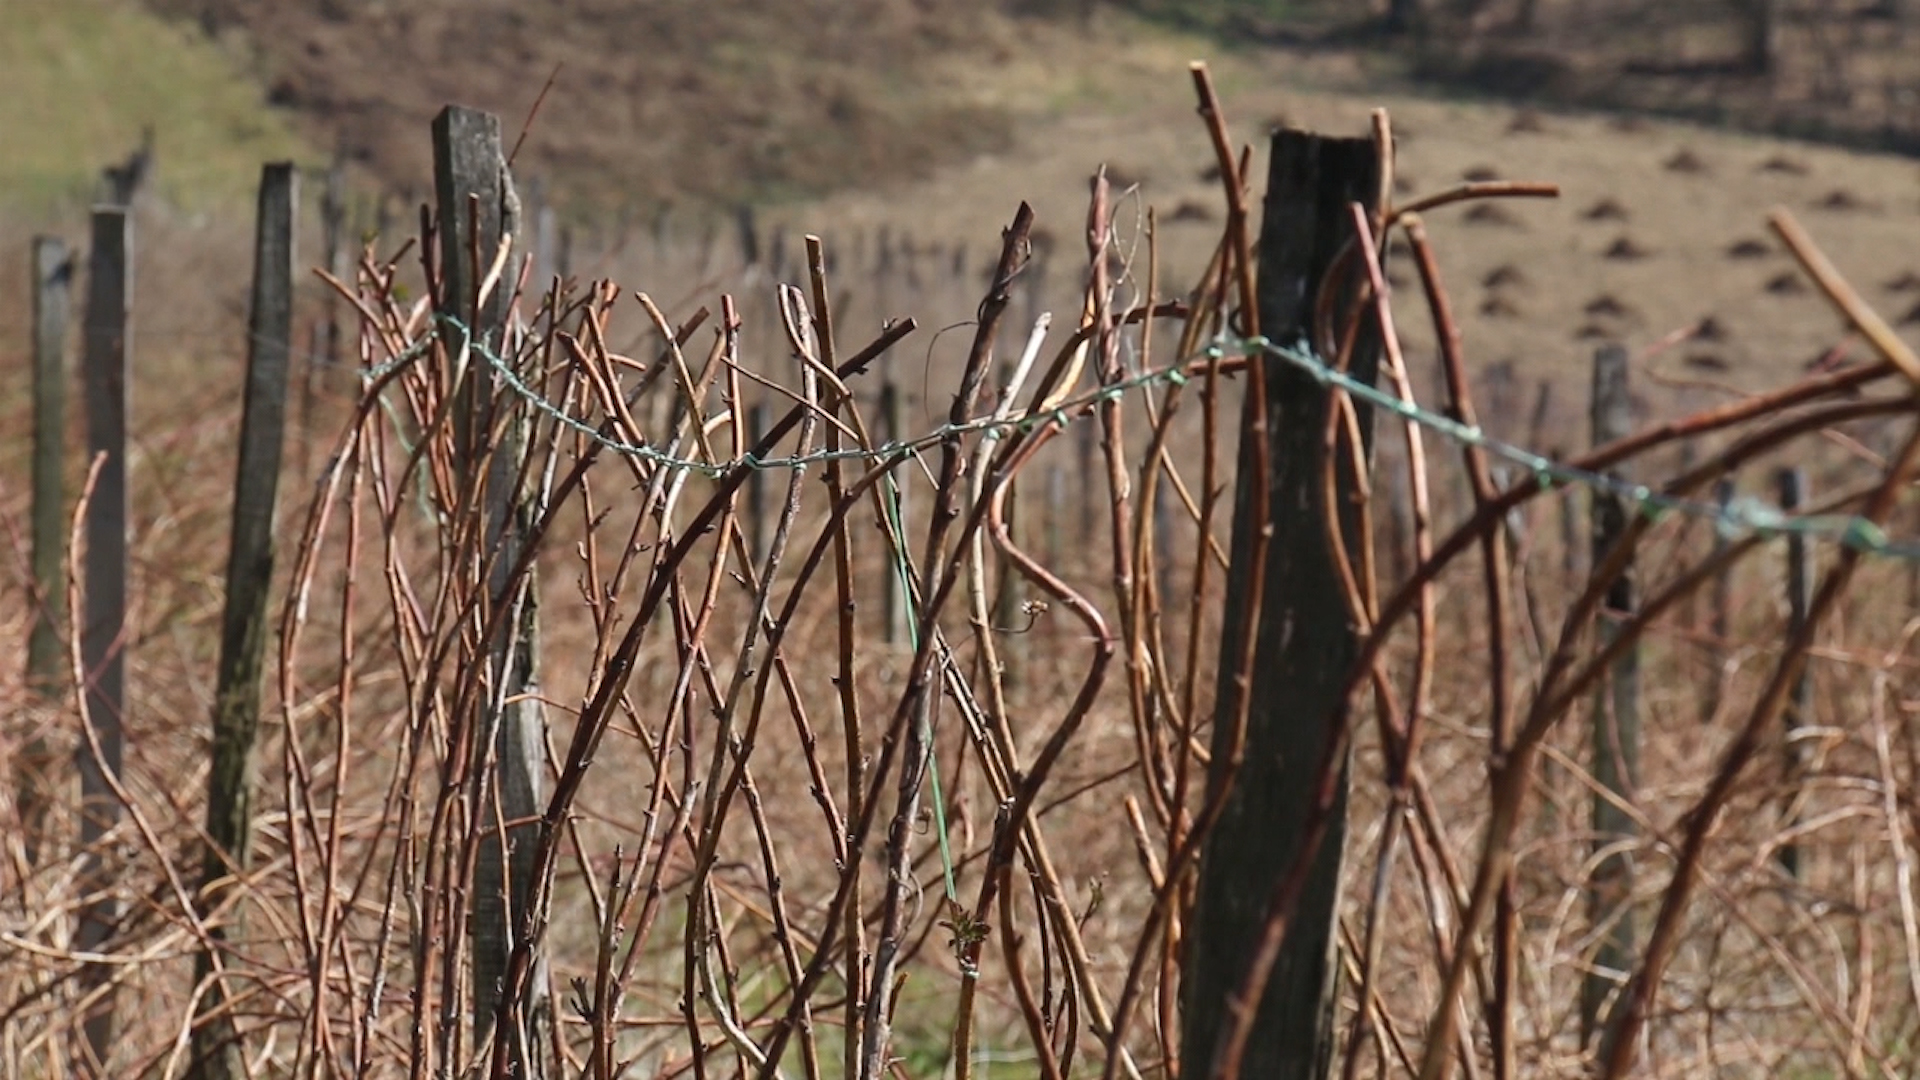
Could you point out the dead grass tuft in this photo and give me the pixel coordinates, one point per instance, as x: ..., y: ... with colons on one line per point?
x: 1606, y: 306
x: 1626, y: 249
x: 1499, y: 307
x: 1684, y: 161
x: 1491, y: 213
x: 1506, y: 275
x: 1788, y: 283
x: 1606, y: 209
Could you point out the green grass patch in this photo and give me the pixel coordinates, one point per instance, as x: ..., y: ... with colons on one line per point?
x: 79, y: 79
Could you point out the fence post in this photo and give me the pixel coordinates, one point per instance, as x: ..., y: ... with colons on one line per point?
x: 1569, y: 531
x: 1303, y: 643
x: 103, y: 635
x: 756, y: 483
x: 1720, y: 618
x: 468, y: 163
x: 217, y: 1052
x: 1794, y: 495
x: 1163, y: 542
x: 1056, y: 510
x: 893, y: 594
x: 1085, y: 446
x: 52, y: 300
x: 546, y: 236
x: 747, y: 225
x: 333, y: 239
x: 1616, y: 720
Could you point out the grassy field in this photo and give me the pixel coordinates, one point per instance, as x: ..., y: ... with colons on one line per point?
x: 80, y: 79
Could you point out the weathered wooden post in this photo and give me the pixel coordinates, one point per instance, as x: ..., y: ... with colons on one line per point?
x: 1794, y: 495
x: 333, y: 241
x: 1616, y: 721
x: 217, y: 1053
x: 52, y: 300
x: 894, y: 606
x: 1303, y: 644
x: 1539, y: 425
x: 1392, y: 509
x: 1086, y: 444
x: 1569, y: 531
x: 747, y: 226
x: 546, y: 238
x: 1720, y: 617
x: 1056, y: 511
x: 757, y: 513
x: 477, y: 209
x: 1163, y: 542
x: 103, y: 631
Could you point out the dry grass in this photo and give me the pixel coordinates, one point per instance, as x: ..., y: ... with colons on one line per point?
x: 1769, y: 977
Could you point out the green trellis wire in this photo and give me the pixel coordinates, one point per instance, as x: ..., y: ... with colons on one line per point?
x: 1745, y: 515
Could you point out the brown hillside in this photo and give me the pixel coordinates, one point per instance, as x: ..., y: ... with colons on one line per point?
x: 653, y: 101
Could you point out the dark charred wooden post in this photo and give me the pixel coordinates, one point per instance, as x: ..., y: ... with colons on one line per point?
x: 103, y: 630
x: 478, y: 207
x: 217, y: 1052
x: 52, y: 302
x: 1303, y: 644
x: 1616, y: 721
x: 1794, y: 495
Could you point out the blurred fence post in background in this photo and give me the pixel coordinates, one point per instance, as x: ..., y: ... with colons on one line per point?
x: 894, y: 602
x: 333, y: 253
x: 1616, y: 720
x: 1570, y: 546
x: 52, y: 303
x: 757, y: 419
x: 478, y: 210
x: 103, y: 636
x: 1791, y: 482
x: 1720, y: 617
x: 217, y: 1051
x: 1292, y: 692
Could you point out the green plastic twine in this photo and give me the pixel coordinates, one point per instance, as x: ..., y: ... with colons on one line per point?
x: 904, y: 575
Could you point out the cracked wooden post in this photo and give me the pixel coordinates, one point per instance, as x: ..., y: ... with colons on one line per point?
x: 1616, y: 722
x: 217, y: 1051
x: 1303, y: 645
x: 477, y: 209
